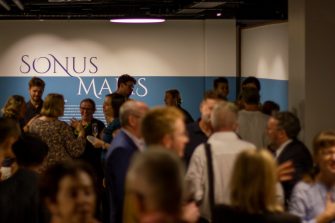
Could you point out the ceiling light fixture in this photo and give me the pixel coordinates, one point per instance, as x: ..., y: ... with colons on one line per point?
x: 138, y: 20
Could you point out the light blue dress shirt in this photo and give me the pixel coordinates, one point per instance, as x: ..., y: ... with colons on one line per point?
x: 308, y: 201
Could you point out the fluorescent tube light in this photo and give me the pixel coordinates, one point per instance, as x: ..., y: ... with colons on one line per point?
x: 138, y: 20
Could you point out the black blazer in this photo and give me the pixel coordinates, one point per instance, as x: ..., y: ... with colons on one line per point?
x: 302, y: 160
x: 226, y: 214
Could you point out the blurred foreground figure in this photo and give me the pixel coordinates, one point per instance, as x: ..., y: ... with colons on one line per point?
x: 19, y: 200
x: 9, y: 133
x: 155, y: 188
x: 67, y: 189
x: 257, y: 201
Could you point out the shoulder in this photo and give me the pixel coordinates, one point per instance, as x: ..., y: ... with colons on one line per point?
x: 246, y: 144
x: 100, y: 123
x: 296, y: 149
x: 193, y: 126
x: 297, y: 144
x: 304, y: 192
x: 199, y: 150
x: 121, y: 141
x: 62, y: 124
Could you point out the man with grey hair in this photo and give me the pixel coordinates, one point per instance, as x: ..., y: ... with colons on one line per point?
x: 283, y: 129
x: 125, y: 144
x: 225, y: 146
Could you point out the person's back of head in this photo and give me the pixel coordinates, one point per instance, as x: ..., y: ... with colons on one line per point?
x: 158, y: 123
x: 257, y: 169
x: 155, y: 183
x: 117, y: 101
x: 251, y: 82
x: 211, y: 95
x: 30, y: 151
x: 132, y: 108
x: 270, y: 108
x: 224, y: 117
x: 53, y: 105
x: 250, y: 96
x: 14, y: 107
x: 288, y: 122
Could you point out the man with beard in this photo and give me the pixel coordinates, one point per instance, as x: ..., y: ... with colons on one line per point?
x: 34, y: 105
x: 200, y: 130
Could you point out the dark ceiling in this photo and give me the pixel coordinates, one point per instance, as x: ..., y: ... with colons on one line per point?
x: 241, y: 10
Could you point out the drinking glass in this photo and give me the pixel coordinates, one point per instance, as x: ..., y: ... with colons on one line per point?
x: 95, y: 130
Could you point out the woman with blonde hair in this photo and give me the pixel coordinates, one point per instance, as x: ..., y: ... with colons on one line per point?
x: 15, y: 108
x: 58, y: 135
x: 253, y: 191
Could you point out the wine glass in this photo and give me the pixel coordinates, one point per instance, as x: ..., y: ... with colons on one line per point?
x: 95, y: 130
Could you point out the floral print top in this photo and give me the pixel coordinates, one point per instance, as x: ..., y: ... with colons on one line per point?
x: 59, y: 136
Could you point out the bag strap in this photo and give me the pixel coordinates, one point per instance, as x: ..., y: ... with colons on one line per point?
x: 210, y: 177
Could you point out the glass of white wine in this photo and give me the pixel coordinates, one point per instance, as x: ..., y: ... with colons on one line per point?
x: 95, y: 130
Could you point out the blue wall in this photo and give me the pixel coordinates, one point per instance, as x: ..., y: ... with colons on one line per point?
x: 149, y: 89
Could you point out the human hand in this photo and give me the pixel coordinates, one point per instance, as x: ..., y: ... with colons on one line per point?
x: 328, y: 214
x: 285, y: 171
x: 190, y: 212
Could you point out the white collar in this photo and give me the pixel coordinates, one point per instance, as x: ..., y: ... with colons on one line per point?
x: 138, y: 142
x: 282, y: 146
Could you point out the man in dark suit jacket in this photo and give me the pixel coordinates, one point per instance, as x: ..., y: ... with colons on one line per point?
x: 283, y: 129
x: 125, y: 144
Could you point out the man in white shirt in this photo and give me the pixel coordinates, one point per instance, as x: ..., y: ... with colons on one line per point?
x: 225, y: 146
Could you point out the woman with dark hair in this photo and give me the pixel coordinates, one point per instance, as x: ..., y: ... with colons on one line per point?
x: 253, y: 192
x: 68, y: 191
x: 58, y: 135
x: 111, y: 109
x: 173, y: 98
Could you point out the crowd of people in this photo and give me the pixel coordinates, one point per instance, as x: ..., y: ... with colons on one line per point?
x: 238, y: 162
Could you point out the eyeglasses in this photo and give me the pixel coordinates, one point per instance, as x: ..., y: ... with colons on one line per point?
x: 86, y: 109
x: 130, y: 85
